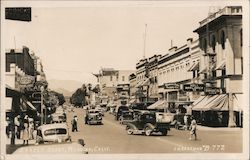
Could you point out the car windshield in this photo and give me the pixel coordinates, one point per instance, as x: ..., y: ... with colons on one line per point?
x: 149, y: 116
x: 123, y: 108
x: 93, y: 111
x: 50, y: 132
x: 61, y: 131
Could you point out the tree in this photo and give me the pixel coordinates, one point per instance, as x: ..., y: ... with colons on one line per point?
x: 55, y: 97
x: 78, y: 97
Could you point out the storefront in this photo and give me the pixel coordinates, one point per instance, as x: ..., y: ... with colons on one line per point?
x: 213, y: 110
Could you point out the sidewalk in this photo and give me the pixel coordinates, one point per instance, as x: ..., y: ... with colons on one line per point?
x: 206, y: 128
x: 18, y: 143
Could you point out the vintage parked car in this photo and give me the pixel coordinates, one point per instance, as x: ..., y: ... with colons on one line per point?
x: 93, y: 116
x: 57, y: 132
x: 119, y: 110
x: 126, y: 116
x: 100, y: 109
x: 148, y: 122
x: 58, y: 117
x: 178, y: 121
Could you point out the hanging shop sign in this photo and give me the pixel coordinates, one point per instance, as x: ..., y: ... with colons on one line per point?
x: 194, y: 87
x: 26, y: 80
x: 171, y: 86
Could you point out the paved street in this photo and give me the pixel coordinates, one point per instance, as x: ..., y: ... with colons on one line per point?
x: 111, y: 137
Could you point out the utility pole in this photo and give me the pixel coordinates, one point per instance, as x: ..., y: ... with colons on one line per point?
x: 144, y: 45
x: 42, y: 115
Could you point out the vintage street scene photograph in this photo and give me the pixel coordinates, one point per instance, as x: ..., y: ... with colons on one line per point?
x: 146, y: 78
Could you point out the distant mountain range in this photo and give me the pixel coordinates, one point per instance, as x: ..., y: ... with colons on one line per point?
x: 66, y: 87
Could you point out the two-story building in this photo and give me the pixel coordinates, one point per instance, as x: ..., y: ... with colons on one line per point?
x: 109, y: 78
x: 176, y: 69
x: 153, y: 77
x: 221, y: 67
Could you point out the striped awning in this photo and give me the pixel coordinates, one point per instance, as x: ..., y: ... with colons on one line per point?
x: 215, y: 103
x: 221, y: 65
x: 161, y: 104
x: 194, y: 67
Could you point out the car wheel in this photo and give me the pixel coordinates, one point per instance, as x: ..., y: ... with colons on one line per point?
x: 120, y: 120
x: 129, y: 130
x: 148, y: 131
x: 176, y: 126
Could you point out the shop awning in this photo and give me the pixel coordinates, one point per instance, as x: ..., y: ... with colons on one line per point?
x: 138, y: 84
x: 31, y: 105
x: 198, y: 100
x: 26, y: 104
x: 145, y: 82
x: 216, y: 102
x: 220, y: 103
x: 161, y: 104
x: 221, y: 65
x: 203, y: 70
x: 238, y: 102
x: 194, y: 67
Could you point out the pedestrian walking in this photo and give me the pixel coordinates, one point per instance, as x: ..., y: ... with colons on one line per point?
x: 65, y: 116
x: 193, y: 128
x: 25, y: 131
x: 18, y: 126
x: 74, y: 124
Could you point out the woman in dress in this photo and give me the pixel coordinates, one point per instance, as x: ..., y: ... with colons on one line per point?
x: 26, y: 131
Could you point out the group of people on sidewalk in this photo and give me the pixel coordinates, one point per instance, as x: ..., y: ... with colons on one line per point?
x: 21, y: 128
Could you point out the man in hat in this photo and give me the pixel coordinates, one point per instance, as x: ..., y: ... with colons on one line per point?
x: 74, y: 124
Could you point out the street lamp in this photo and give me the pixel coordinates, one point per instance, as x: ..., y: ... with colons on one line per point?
x: 42, y: 115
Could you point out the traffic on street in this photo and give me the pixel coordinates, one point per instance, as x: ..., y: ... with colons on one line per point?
x: 78, y: 80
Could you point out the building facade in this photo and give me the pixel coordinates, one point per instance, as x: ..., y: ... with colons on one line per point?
x: 132, y: 87
x: 22, y: 58
x: 220, y: 39
x: 109, y: 78
x: 153, y: 77
x: 142, y: 80
x: 22, y: 83
x: 177, y: 68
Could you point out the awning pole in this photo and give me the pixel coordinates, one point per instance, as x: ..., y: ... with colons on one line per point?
x: 239, y: 117
x: 164, y: 102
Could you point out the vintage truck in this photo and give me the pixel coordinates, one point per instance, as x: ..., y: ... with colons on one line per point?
x: 148, y: 122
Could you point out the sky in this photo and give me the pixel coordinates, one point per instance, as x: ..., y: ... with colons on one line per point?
x: 76, y: 40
